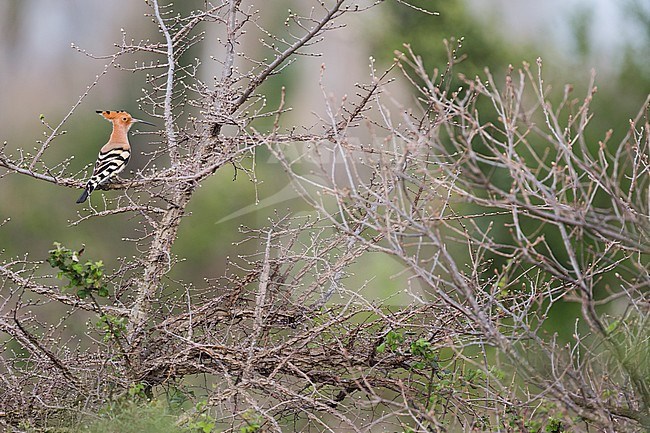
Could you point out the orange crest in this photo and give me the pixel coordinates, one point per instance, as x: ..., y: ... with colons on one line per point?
x: 116, y: 116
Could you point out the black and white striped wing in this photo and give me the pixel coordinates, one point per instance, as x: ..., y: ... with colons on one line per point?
x: 108, y: 164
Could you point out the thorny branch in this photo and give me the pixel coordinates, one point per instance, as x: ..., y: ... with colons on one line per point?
x: 169, y: 86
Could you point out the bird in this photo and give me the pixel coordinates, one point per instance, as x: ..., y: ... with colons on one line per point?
x: 115, y: 154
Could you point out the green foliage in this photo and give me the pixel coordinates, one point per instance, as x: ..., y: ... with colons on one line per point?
x: 533, y: 425
x: 554, y: 426
x: 473, y: 376
x: 612, y: 326
x: 204, y: 425
x: 203, y: 422
x: 137, y: 390
x: 111, y: 326
x: 392, y: 340
x: 253, y: 422
x: 86, y: 277
x: 423, y: 350
x: 497, y: 373
x: 514, y: 419
x: 137, y: 412
x: 136, y: 417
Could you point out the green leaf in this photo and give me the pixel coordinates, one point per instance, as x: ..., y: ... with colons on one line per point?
x: 86, y: 277
x: 205, y: 426
x: 612, y: 326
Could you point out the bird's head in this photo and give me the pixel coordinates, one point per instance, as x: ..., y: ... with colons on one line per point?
x: 121, y: 118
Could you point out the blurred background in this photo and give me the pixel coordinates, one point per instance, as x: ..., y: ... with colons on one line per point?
x: 41, y: 74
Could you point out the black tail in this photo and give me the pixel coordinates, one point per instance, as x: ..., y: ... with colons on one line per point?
x: 83, y: 196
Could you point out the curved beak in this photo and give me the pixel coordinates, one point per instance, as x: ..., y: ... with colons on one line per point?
x: 142, y: 121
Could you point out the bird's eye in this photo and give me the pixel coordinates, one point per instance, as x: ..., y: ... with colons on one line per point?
x: 124, y: 118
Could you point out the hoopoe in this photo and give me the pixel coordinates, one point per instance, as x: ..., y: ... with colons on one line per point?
x: 115, y: 154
